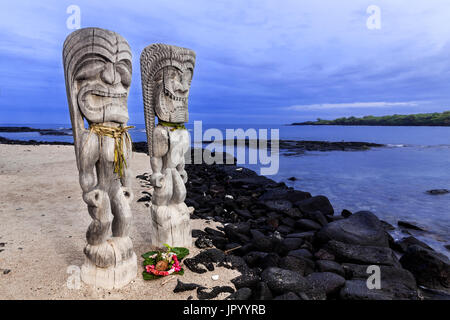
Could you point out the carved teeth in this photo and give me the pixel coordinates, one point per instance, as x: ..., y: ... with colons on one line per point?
x: 108, y: 94
x: 174, y: 97
x: 106, y: 103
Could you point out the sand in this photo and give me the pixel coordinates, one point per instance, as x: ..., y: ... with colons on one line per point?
x: 43, y: 221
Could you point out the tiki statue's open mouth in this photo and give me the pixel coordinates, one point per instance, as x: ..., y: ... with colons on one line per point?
x: 98, y: 104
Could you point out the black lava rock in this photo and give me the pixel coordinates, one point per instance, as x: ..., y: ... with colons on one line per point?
x: 202, y: 294
x: 287, y: 296
x: 361, y: 228
x: 205, y: 258
x: 235, y: 263
x: 262, y: 291
x: 396, y: 283
x: 254, y: 258
x: 203, y: 243
x: 437, y: 191
x: 248, y: 279
x: 330, y: 266
x: 410, y: 225
x: 300, y: 265
x: 292, y: 243
x: 318, y: 217
x: 283, y: 281
x: 317, y: 203
x: 261, y: 242
x: 431, y: 269
x: 220, y: 242
x: 346, y: 213
x: 181, y: 286
x: 345, y: 252
x: 241, y: 294
x: 403, y: 244
x: 214, y: 232
x: 301, y: 253
x: 307, y: 225
x: 271, y: 260
x: 198, y: 233
x: 278, y: 205
x: 285, y: 194
x: 327, y: 282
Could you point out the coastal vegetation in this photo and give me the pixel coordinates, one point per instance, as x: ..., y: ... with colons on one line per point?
x: 419, y: 119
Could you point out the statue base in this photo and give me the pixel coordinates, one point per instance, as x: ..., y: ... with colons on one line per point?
x: 115, y: 276
x: 171, y: 225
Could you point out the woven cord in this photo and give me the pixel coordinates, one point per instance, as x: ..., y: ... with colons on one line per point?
x: 172, y: 125
x: 117, y: 133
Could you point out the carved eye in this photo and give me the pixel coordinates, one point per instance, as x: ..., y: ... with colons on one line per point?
x: 158, y: 76
x: 124, y: 69
x: 189, y: 74
x: 174, y: 73
x: 89, y: 69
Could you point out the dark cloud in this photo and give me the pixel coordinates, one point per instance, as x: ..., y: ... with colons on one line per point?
x: 255, y: 59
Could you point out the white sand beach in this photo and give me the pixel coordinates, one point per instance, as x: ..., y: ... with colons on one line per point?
x: 43, y: 225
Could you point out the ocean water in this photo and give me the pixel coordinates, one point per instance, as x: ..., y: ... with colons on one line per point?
x: 390, y: 181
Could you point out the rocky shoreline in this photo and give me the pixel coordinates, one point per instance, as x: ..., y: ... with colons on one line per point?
x: 290, y: 245
x: 4, y: 140
x: 44, y: 132
x: 298, y: 147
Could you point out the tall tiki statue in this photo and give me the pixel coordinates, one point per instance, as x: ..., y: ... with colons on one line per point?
x: 97, y: 68
x: 166, y: 78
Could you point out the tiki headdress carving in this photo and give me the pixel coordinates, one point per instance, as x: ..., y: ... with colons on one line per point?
x: 166, y: 78
x: 97, y: 68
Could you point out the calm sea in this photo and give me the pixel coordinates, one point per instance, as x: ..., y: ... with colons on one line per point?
x: 390, y: 181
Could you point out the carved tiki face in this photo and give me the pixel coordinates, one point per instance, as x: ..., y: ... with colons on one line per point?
x: 171, y: 93
x: 166, y: 72
x: 97, y: 65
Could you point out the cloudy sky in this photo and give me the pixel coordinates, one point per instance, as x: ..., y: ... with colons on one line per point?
x: 258, y: 61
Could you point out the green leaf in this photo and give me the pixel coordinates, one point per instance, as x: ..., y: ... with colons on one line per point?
x: 180, y: 252
x: 180, y: 273
x: 149, y: 276
x: 148, y: 254
x: 149, y: 261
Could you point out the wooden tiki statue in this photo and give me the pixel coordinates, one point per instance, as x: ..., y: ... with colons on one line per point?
x: 97, y: 68
x: 167, y: 72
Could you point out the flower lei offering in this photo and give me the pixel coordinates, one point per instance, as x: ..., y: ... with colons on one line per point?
x: 159, y: 264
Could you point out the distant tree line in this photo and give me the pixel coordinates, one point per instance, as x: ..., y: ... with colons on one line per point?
x: 420, y: 119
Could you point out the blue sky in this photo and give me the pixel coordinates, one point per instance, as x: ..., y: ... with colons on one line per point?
x: 262, y: 62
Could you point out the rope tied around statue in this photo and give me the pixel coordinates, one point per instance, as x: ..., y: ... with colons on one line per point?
x: 173, y: 125
x: 117, y: 133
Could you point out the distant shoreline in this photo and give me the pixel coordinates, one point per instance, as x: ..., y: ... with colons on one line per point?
x: 413, y: 120
x: 44, y: 132
x: 297, y: 147
x: 364, y: 125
